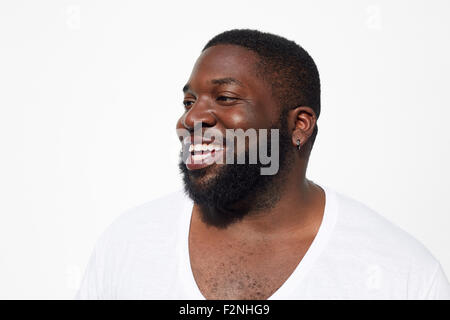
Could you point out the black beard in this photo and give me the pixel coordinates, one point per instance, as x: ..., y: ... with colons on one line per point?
x: 237, y: 190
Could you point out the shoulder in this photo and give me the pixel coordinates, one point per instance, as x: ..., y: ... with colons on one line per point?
x: 358, y: 221
x: 370, y: 242
x: 154, y: 218
x: 136, y: 248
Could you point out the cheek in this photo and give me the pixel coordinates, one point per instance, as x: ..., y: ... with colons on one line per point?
x: 242, y: 118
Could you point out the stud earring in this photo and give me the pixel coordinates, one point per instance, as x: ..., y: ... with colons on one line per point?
x: 298, y: 144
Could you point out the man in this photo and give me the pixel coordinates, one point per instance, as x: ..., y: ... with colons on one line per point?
x: 239, y: 234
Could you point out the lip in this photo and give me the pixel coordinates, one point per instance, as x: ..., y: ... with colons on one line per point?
x: 195, y: 139
x: 200, y: 160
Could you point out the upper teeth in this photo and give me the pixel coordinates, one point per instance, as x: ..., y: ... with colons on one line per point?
x: 204, y: 147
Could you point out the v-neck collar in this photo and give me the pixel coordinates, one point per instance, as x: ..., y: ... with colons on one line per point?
x: 285, y: 291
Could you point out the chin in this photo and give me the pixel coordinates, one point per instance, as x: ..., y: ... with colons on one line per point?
x: 202, y: 176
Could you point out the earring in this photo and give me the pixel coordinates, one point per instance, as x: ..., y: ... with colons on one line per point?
x: 298, y: 144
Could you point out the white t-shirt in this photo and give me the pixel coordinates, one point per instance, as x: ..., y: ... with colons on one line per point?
x: 356, y: 254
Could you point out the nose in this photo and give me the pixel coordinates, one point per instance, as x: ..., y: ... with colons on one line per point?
x: 199, y: 114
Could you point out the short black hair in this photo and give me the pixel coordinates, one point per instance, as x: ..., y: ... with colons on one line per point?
x: 289, y: 69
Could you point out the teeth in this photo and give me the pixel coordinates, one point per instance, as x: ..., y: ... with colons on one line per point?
x: 204, y: 147
x: 198, y: 147
x: 199, y: 157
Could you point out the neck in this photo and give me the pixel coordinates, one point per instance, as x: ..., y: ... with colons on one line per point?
x: 298, y: 209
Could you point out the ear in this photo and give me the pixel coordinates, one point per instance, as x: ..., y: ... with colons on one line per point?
x: 302, y: 121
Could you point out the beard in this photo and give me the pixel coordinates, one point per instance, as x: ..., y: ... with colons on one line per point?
x: 238, y: 190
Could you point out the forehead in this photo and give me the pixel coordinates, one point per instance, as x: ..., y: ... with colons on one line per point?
x: 226, y: 61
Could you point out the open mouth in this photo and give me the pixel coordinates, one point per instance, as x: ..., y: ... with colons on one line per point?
x: 203, y: 155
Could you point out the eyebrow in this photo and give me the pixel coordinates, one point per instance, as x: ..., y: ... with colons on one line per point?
x: 221, y: 81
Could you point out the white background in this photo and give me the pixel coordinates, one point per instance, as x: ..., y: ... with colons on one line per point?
x: 90, y: 92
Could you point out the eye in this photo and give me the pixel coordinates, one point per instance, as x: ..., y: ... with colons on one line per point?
x: 187, y: 103
x: 226, y: 99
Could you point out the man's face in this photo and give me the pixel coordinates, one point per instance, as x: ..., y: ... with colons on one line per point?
x: 224, y: 92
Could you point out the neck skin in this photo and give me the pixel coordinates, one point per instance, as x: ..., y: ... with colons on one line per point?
x: 297, y: 214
